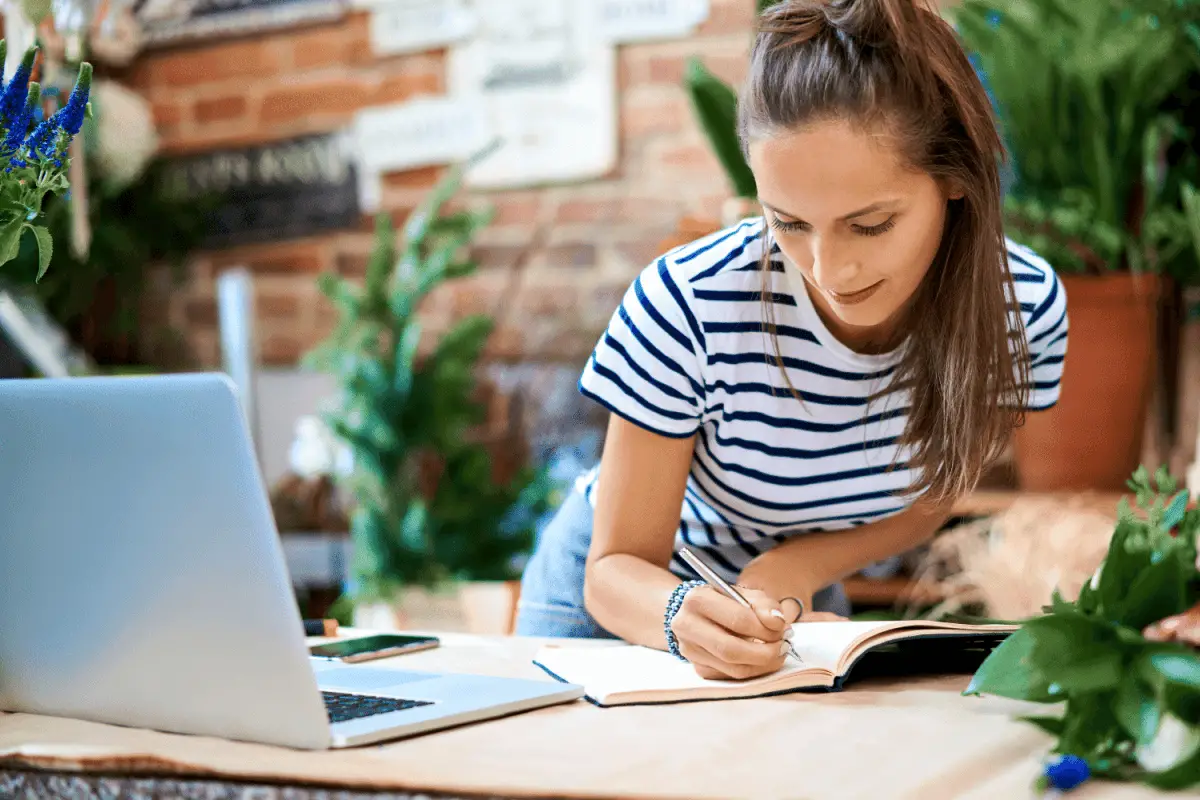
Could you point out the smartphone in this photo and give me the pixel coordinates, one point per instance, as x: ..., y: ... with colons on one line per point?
x: 369, y: 648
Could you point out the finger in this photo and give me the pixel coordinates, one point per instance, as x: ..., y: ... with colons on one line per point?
x: 729, y: 649
x: 769, y: 611
x: 710, y: 667
x: 731, y: 615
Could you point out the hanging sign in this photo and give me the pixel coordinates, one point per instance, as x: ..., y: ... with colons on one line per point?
x: 410, y: 26
x: 171, y: 21
x: 546, y: 83
x: 271, y: 192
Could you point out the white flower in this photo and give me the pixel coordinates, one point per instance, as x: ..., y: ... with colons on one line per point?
x: 1174, y: 742
x: 314, y: 451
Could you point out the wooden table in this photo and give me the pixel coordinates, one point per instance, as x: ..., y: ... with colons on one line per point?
x: 899, y: 739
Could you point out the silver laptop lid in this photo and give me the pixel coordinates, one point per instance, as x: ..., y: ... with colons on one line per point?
x: 141, y: 576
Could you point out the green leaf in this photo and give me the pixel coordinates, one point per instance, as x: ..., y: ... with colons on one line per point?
x: 1182, y: 668
x: 45, y: 244
x: 1137, y: 709
x: 10, y: 240
x: 1008, y: 671
x: 1075, y: 652
x: 1158, y: 591
x: 1051, y: 725
x: 715, y: 105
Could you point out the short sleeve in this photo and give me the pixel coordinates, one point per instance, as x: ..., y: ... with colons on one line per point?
x: 1046, y: 325
x: 646, y: 367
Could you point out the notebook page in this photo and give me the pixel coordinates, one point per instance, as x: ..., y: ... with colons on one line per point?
x: 823, y: 644
x: 605, y: 671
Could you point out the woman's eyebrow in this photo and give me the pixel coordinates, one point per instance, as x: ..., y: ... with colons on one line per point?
x: 862, y: 212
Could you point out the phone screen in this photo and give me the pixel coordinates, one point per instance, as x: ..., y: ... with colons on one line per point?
x: 380, y: 644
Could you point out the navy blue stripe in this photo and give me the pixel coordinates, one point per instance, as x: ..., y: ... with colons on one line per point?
x: 1013, y: 255
x: 669, y: 282
x: 797, y: 363
x: 788, y: 331
x: 857, y: 515
x: 798, y: 453
x: 1025, y: 277
x: 783, y: 391
x: 805, y: 480
x: 1046, y: 361
x: 730, y: 296
x: 702, y: 250
x: 626, y: 416
x: 707, y: 503
x: 670, y: 391
x: 1043, y: 407
x: 761, y: 503
x: 667, y: 327
x: 712, y: 538
x: 1054, y: 341
x: 756, y: 266
x: 617, y: 381
x: 1044, y: 385
x: 649, y: 347
x: 1049, y: 331
x: 809, y: 425
x: 726, y: 259
x: 1046, y: 304
x: 1026, y: 307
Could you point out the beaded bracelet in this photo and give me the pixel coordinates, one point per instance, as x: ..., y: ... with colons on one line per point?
x: 672, y: 609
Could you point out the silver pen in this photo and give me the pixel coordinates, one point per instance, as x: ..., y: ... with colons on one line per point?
x: 721, y: 585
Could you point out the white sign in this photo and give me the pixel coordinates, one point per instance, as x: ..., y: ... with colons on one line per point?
x: 638, y: 20
x: 410, y: 26
x: 422, y: 132
x: 546, y: 82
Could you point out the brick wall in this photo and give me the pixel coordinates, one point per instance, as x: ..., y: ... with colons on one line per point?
x: 555, y: 261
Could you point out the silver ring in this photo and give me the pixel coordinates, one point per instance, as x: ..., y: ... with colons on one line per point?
x: 799, y: 603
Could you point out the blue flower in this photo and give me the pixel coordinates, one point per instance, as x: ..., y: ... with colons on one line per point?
x: 16, y: 132
x: 12, y: 102
x: 1066, y: 772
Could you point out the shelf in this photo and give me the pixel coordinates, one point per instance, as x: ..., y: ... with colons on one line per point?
x: 885, y: 591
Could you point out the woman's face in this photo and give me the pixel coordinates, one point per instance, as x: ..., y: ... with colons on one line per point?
x: 860, y: 227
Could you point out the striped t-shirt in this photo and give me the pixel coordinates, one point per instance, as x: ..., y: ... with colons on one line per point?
x: 687, y: 353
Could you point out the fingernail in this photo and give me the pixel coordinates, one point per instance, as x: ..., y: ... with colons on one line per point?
x: 784, y: 649
x: 775, y: 612
x: 788, y: 634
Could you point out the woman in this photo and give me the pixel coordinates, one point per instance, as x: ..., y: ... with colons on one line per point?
x: 807, y: 393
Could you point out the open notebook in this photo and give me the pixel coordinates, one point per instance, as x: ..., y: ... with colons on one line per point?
x: 628, y: 674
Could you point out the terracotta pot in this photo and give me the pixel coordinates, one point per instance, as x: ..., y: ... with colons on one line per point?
x: 1093, y: 438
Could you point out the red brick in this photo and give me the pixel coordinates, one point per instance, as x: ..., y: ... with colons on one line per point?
x: 220, y: 109
x: 477, y: 294
x: 577, y: 255
x: 728, y: 17
x: 213, y: 63
x: 178, y: 143
x: 277, y: 305
x: 403, y: 86
x: 515, y: 209
x: 507, y: 343
x: 647, y: 113
x: 498, y: 256
x: 542, y: 297
x: 321, y: 46
x: 282, y: 349
x: 200, y: 311
x: 587, y: 210
x: 422, y: 178
x: 669, y: 67
x: 167, y: 115
x: 641, y: 252
x: 691, y: 158
x: 291, y: 257
x: 327, y: 98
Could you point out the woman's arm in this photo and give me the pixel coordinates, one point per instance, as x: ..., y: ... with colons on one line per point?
x: 639, y: 496
x: 809, y: 562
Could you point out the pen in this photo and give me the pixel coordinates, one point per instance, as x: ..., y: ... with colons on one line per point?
x: 721, y: 585
x: 320, y: 627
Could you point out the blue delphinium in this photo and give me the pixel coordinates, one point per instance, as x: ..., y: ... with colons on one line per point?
x: 35, y: 163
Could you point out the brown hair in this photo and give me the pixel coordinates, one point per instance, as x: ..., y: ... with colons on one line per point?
x: 897, y: 65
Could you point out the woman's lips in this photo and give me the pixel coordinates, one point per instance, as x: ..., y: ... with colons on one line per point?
x: 854, y: 298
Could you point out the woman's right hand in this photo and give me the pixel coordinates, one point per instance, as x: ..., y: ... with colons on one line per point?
x: 724, y: 640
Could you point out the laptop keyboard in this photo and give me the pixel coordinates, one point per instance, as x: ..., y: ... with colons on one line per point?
x: 342, y: 706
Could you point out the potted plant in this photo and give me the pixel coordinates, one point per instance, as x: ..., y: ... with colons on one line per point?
x: 432, y: 527
x: 1087, y: 97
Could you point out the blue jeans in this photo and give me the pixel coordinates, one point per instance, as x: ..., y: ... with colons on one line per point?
x: 551, y: 602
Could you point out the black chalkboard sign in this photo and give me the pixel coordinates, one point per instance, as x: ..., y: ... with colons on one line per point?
x: 271, y: 192
x: 169, y: 21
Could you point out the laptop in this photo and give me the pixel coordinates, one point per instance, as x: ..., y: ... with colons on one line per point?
x: 142, y: 580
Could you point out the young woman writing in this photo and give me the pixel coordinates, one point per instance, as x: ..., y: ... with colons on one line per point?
x: 806, y: 393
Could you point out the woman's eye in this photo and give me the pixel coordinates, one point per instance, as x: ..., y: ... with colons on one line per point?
x: 876, y: 230
x: 786, y: 225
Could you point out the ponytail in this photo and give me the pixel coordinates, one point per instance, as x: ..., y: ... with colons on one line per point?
x: 898, y: 66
